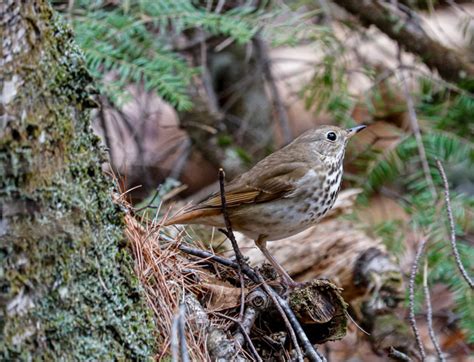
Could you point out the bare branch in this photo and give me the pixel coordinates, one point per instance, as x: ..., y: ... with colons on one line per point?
x: 245, y: 324
x: 429, y: 314
x: 452, y: 66
x: 454, y: 246
x: 397, y: 355
x: 283, y: 312
x: 311, y: 353
x: 229, y: 232
x: 178, y: 336
x: 414, y: 270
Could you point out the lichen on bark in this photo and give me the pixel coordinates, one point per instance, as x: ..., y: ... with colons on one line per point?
x: 67, y: 289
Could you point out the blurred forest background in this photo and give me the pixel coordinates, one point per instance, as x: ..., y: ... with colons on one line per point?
x: 185, y: 87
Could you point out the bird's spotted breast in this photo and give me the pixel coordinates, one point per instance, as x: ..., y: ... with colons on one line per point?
x: 320, y: 198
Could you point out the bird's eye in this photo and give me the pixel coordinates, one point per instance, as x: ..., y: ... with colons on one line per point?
x: 331, y: 136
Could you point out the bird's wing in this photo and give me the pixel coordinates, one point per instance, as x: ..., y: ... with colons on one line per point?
x: 268, y: 183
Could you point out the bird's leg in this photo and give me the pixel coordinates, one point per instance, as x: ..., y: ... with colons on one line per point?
x: 262, y: 245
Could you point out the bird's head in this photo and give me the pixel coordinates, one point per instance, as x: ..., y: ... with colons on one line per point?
x: 329, y: 141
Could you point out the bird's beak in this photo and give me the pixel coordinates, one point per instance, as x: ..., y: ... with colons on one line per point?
x: 352, y: 131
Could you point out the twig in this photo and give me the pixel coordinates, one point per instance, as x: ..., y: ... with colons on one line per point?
x: 178, y: 336
x: 182, y: 334
x: 415, y: 128
x: 274, y: 296
x: 244, y: 329
x: 229, y: 233
x: 277, y: 101
x: 429, y: 314
x: 241, y: 264
x: 174, y: 339
x: 250, y: 344
x: 397, y: 355
x: 242, y: 296
x: 310, y: 351
x: 414, y: 270
x: 149, y: 205
x: 454, y: 246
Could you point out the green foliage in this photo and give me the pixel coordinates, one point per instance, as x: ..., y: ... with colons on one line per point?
x: 327, y: 90
x: 133, y: 42
x: 447, y: 110
x: 139, y: 41
x: 402, y: 163
x: 401, y: 166
x: 441, y: 263
x: 391, y: 232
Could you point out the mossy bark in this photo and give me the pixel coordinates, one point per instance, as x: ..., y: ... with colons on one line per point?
x: 67, y: 290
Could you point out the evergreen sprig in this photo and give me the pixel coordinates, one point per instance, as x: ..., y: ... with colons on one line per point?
x: 400, y: 166
x: 131, y: 43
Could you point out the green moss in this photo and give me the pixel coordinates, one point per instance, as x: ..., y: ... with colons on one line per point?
x: 67, y: 289
x: 321, y: 308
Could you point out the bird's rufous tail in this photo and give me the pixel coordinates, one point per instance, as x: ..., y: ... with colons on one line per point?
x: 193, y: 216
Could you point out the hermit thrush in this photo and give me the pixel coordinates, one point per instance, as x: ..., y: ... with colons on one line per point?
x: 283, y: 194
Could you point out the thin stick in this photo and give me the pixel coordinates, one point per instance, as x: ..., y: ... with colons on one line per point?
x: 274, y: 296
x: 429, y: 314
x: 454, y: 246
x: 174, y: 339
x: 310, y: 351
x: 182, y: 334
x: 250, y: 343
x: 245, y: 326
x: 149, y: 205
x: 397, y: 355
x: 242, y: 296
x: 415, y: 128
x: 230, y: 234
x: 241, y: 263
x: 414, y: 270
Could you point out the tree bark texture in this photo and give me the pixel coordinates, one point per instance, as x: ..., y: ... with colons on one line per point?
x: 67, y: 290
x: 451, y: 65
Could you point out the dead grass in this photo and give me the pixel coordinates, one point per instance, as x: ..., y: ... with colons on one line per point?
x: 166, y: 277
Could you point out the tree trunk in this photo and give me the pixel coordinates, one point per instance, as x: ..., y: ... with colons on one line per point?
x: 67, y: 290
